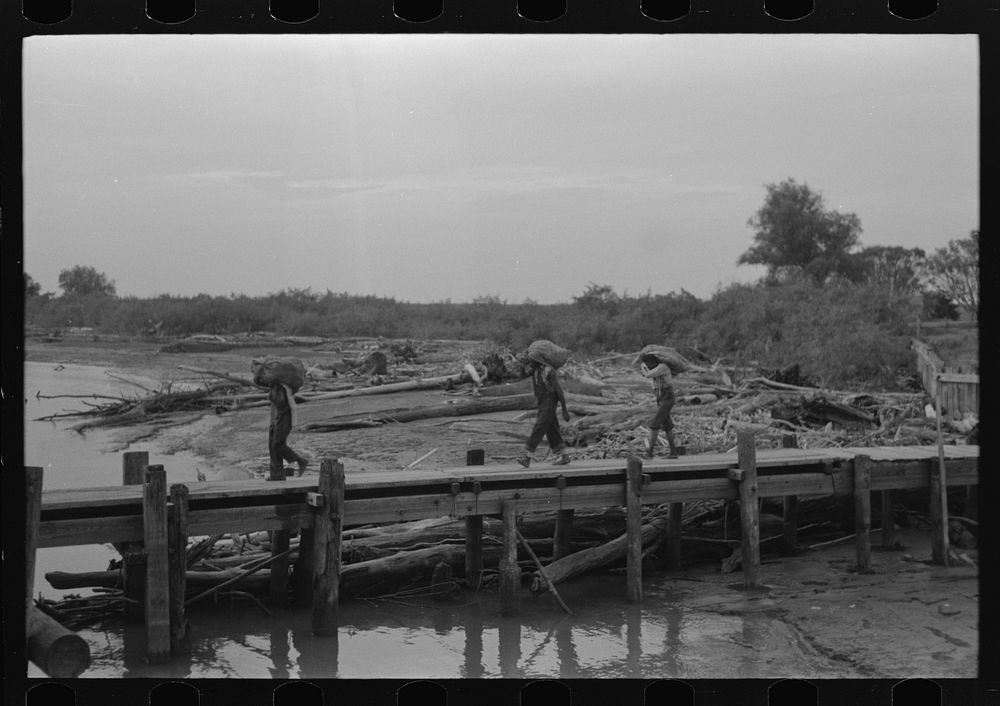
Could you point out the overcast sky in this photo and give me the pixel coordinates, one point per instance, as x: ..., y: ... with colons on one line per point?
x: 433, y: 167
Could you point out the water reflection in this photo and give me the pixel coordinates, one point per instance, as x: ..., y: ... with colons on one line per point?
x: 473, y: 667
x: 569, y: 663
x: 510, y: 647
x: 633, y: 642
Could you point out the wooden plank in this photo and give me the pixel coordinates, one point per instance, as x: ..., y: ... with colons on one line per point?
x: 133, y: 557
x: 510, y: 572
x: 64, y: 499
x: 157, y: 594
x: 958, y: 378
x: 749, y: 512
x: 326, y: 549
x: 633, y: 530
x: 249, y: 519
x: 863, y: 512
x: 177, y: 551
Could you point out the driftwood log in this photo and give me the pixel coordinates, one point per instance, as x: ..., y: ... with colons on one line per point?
x: 58, y: 651
x: 590, y: 559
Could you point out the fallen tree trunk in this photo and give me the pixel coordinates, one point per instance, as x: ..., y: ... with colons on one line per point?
x: 521, y: 387
x: 470, y: 407
x: 590, y: 559
x: 423, y: 384
x: 58, y: 651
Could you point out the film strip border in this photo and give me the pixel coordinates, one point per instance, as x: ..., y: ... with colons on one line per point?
x: 33, y: 17
x: 62, y: 16
x: 784, y: 692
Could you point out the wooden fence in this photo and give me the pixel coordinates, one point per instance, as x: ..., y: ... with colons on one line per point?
x: 959, y: 392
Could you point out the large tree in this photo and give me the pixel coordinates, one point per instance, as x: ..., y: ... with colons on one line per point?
x: 795, y: 234
x: 83, y: 279
x: 954, y: 271
x: 893, y: 269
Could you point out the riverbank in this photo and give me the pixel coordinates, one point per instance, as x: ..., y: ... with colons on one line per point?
x: 814, y: 618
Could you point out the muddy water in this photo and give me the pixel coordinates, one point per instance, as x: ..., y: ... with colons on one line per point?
x: 814, y: 618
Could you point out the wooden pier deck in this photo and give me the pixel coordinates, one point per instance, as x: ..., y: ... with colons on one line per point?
x: 114, y: 514
x: 161, y: 523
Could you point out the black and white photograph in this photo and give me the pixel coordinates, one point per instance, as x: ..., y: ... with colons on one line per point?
x: 501, y: 356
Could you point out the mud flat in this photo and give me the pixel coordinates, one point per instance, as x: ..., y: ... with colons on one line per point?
x: 814, y: 616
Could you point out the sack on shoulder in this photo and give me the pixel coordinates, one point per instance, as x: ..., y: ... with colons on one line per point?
x: 665, y: 354
x: 548, y: 353
x: 280, y: 371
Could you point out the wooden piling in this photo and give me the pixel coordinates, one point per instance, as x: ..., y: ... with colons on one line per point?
x: 749, y: 511
x: 473, y: 550
x: 510, y: 572
x: 940, y: 543
x: 790, y: 503
x: 280, y: 542
x: 474, y: 532
x: 157, y: 603
x: 863, y: 512
x: 675, y: 529
x: 303, y: 585
x: 134, y: 556
x: 888, y: 520
x: 177, y: 537
x: 562, y: 539
x: 633, y: 530
x: 328, y: 525
x: 33, y: 515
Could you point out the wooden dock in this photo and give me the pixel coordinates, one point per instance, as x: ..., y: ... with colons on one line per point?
x: 148, y: 514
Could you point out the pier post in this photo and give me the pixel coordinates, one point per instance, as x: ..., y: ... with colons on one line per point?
x: 940, y: 543
x: 157, y: 603
x: 562, y: 540
x: 33, y: 517
x: 510, y: 572
x: 749, y: 512
x: 863, y: 512
x: 633, y: 530
x: 133, y: 555
x: 303, y: 584
x: 888, y: 521
x: 280, y: 540
x: 177, y: 537
x: 473, y: 532
x: 675, y: 529
x: 939, y: 491
x: 326, y: 548
x: 790, y: 514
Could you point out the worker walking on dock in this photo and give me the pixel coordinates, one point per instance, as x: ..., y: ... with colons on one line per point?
x: 661, y: 377
x: 281, y: 399
x: 282, y: 377
x: 548, y: 393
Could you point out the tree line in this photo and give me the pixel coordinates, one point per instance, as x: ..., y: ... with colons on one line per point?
x: 841, y: 311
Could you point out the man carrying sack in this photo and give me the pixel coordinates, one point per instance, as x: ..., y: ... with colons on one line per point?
x: 658, y: 364
x: 282, y: 377
x: 543, y: 357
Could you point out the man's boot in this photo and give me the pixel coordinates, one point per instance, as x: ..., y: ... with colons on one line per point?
x: 673, y: 444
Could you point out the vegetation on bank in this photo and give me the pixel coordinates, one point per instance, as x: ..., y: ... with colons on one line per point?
x: 842, y: 312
